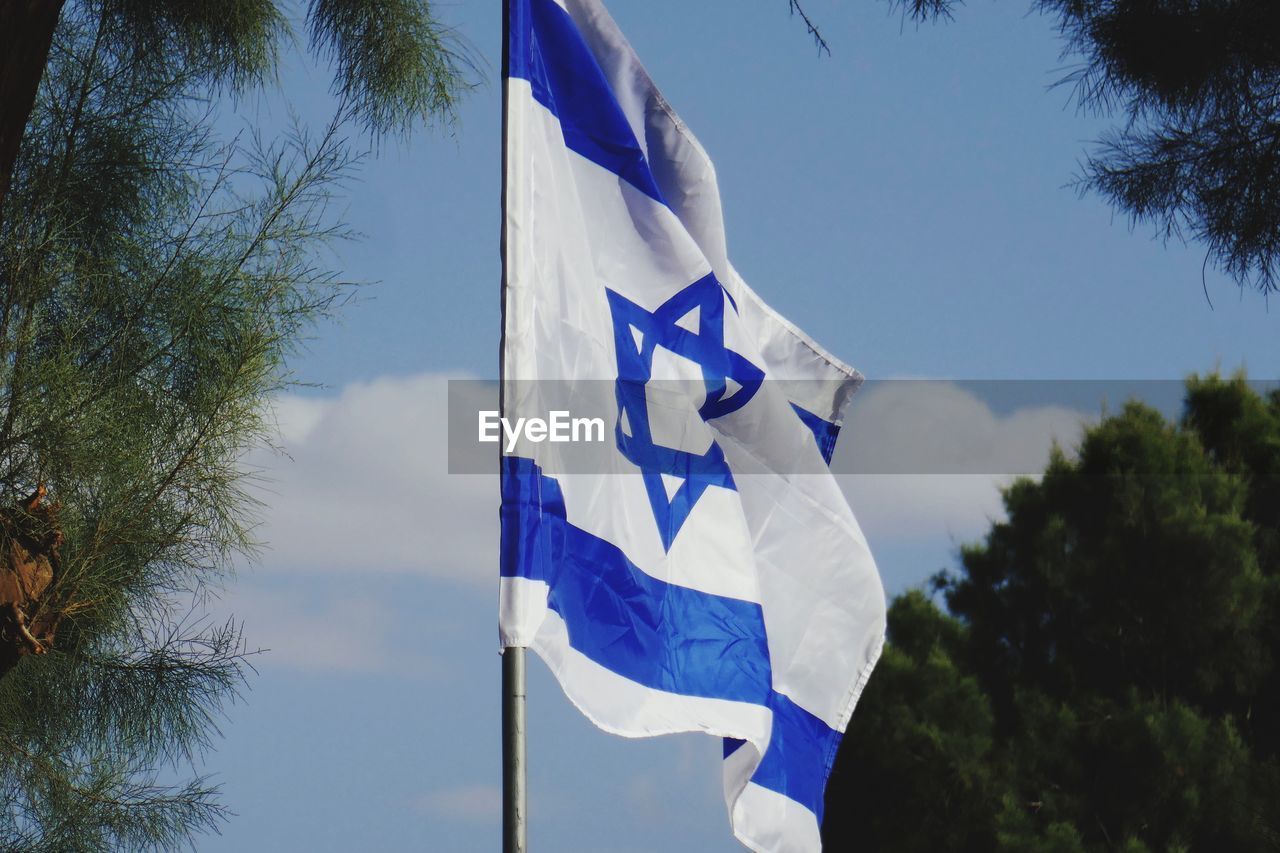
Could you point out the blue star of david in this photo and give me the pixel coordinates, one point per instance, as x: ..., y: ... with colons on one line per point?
x: 637, y: 335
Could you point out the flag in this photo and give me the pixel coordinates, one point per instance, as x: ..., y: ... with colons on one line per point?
x: 706, y: 573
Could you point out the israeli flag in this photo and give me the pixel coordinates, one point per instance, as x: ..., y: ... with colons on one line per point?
x: 707, y: 573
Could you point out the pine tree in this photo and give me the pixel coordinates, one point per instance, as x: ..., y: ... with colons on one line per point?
x: 153, y: 280
x: 1196, y: 84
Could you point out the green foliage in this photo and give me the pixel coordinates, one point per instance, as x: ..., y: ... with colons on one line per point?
x: 153, y: 282
x: 1197, y: 83
x: 394, y: 61
x: 1105, y: 675
x: 927, y: 730
x: 232, y: 41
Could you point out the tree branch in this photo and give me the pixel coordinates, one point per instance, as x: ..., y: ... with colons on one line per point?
x: 797, y: 9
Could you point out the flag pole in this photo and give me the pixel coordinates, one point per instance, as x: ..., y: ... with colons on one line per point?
x: 513, y: 776
x: 514, y: 807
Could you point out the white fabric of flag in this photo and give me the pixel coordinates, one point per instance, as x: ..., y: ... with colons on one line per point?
x: 711, y: 577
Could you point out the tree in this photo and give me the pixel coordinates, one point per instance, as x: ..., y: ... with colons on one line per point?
x: 393, y: 60
x: 153, y: 280
x: 1197, y: 84
x: 1100, y: 678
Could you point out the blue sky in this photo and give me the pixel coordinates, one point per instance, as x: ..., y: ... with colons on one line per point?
x: 904, y: 201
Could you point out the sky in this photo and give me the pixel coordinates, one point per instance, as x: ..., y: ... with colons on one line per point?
x: 905, y: 200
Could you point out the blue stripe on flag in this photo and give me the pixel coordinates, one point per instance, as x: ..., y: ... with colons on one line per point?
x: 824, y: 432
x: 660, y: 635
x: 547, y: 50
x: 801, y: 750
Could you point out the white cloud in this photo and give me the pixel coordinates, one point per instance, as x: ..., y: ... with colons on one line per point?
x: 365, y: 486
x: 335, y: 632
x: 365, y: 490
x: 483, y: 803
x: 960, y: 506
x: 466, y: 802
x: 939, y: 456
x: 362, y: 490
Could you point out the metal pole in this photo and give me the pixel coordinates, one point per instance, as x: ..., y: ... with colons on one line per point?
x: 514, y: 811
x: 514, y: 804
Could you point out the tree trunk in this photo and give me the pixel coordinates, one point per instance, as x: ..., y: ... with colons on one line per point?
x: 26, y: 32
